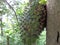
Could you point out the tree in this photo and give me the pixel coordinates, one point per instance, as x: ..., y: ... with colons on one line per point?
x: 29, y: 30
x: 32, y: 22
x: 53, y: 22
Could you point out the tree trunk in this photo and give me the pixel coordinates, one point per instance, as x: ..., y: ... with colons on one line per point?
x: 1, y: 28
x: 53, y: 22
x: 7, y: 40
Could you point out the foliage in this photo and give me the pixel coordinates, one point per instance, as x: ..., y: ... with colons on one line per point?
x: 43, y: 1
x: 42, y: 38
x: 10, y: 26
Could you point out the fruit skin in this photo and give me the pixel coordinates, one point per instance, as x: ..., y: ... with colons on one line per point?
x: 33, y: 22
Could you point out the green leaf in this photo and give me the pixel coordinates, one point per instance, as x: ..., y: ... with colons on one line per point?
x: 42, y: 1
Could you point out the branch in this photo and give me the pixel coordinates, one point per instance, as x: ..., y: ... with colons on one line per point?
x: 15, y: 14
x: 10, y: 6
x: 13, y: 11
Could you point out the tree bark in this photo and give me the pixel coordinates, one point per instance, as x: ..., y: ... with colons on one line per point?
x: 53, y: 22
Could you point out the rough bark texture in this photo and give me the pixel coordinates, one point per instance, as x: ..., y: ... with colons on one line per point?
x: 53, y: 22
